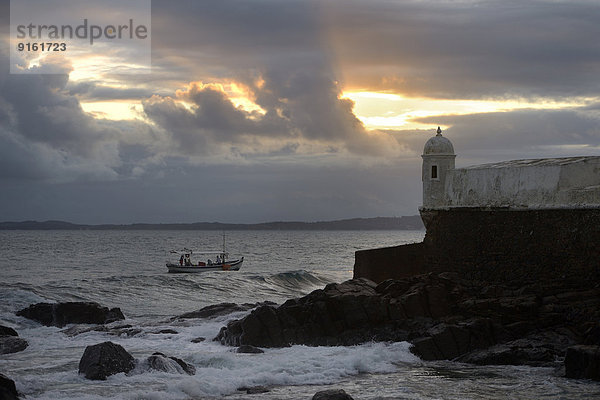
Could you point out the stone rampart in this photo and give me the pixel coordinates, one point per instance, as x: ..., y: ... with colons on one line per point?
x: 390, y: 262
x: 511, y: 247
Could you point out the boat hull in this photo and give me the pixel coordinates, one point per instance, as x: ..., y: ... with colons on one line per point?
x: 233, y: 266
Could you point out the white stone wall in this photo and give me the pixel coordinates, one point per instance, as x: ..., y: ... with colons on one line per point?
x: 543, y: 183
x: 434, y: 188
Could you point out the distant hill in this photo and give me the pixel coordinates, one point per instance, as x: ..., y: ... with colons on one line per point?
x: 380, y: 223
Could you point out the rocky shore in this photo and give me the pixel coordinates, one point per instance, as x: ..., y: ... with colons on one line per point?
x: 444, y: 317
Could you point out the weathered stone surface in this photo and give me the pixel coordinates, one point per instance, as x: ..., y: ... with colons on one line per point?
x: 332, y: 394
x: 249, y: 349
x: 390, y: 262
x: 7, y: 331
x: 12, y: 344
x: 583, y: 361
x: 61, y: 314
x: 104, y: 359
x: 8, y: 390
x: 173, y: 365
x: 514, y: 247
x: 198, y: 340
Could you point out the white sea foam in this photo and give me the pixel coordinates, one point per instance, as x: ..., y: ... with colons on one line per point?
x: 48, y: 368
x: 223, y: 372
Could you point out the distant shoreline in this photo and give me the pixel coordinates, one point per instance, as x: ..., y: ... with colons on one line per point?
x: 364, y: 224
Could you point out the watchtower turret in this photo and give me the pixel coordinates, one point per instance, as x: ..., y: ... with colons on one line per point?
x: 438, y: 159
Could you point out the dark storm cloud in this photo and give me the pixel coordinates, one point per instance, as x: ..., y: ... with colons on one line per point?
x: 280, y: 45
x: 235, y: 34
x: 45, y: 134
x: 468, y: 49
x: 298, y: 105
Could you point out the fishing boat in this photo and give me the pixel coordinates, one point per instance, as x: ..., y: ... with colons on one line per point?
x: 206, y: 266
x: 221, y: 262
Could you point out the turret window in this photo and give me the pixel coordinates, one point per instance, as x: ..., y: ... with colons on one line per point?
x: 434, y: 172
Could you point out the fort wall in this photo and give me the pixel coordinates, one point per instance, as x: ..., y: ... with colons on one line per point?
x: 510, y: 222
x: 571, y: 182
x: 498, y: 245
x: 390, y: 262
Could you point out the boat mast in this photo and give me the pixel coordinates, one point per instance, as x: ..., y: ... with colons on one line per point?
x: 223, y: 255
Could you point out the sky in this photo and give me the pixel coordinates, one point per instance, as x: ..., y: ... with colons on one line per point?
x: 288, y: 110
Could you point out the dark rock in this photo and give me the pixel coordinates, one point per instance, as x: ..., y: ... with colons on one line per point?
x: 198, y: 340
x: 8, y: 390
x: 426, y: 349
x: 449, y: 341
x: 538, y: 349
x: 61, y: 314
x: 12, y: 344
x: 583, y: 362
x: 7, y: 331
x: 442, y: 315
x: 249, y: 349
x: 592, y: 335
x: 332, y: 394
x: 510, y: 354
x: 348, y: 313
x: 253, y: 389
x: 166, y: 331
x: 111, y: 329
x: 104, y: 359
x: 214, y: 310
x: 161, y: 362
x: 124, y: 331
x: 114, y: 314
x: 217, y: 310
x: 75, y: 330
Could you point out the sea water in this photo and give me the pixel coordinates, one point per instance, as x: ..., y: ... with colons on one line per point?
x: 126, y: 269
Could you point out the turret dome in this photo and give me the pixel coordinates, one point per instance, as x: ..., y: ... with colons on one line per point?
x: 438, y: 145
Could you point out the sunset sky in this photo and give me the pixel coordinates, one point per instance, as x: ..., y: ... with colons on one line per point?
x: 264, y: 110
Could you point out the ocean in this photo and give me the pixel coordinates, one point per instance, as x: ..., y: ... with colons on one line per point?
x: 126, y: 269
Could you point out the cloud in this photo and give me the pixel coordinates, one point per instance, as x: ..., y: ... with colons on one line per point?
x: 489, y: 137
x: 293, y: 149
x: 467, y: 49
x: 297, y: 106
x: 45, y: 134
x: 97, y: 91
x: 228, y: 193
